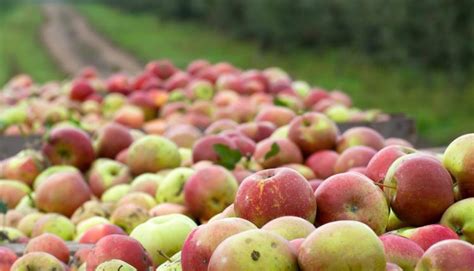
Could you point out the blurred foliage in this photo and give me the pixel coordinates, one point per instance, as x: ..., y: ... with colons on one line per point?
x: 442, y: 110
x: 19, y: 44
x: 438, y: 34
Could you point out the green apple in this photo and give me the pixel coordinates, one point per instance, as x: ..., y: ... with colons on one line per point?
x: 55, y: 224
x: 186, y: 156
x: 8, y: 234
x: 113, y: 102
x: 114, y: 265
x: 27, y: 203
x: 172, y: 187
x: 38, y: 261
x: 163, y: 235
x: 115, y: 193
x: 27, y: 223
x: 302, y: 88
x: 460, y: 218
x: 338, y: 113
x: 281, y: 132
x: 173, y: 265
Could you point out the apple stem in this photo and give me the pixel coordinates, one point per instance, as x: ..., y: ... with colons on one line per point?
x: 163, y: 254
x: 385, y: 186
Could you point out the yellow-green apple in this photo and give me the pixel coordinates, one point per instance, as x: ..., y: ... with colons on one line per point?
x: 171, y: 189
x: 281, y: 132
x: 186, y: 157
x: 428, y: 235
x: 273, y: 193
x: 91, y: 208
x: 38, y: 261
x: 106, y: 173
x: 115, y: 193
x: 52, y: 170
x: 357, y: 156
x: 138, y: 198
x: 113, y: 265
x: 322, y: 163
x: 112, y: 102
x: 56, y: 224
x: 277, y: 115
x: 200, y: 90
x: 383, y: 159
x: 401, y: 251
x: 253, y: 250
x: 459, y: 160
x: 129, y: 216
x: 313, y: 132
x: 62, y: 193
x: 7, y: 258
x: 111, y: 139
x: 338, y: 113
x: 183, y: 135
x: 173, y: 264
x: 168, y: 208
x: 146, y: 182
x: 69, y: 146
x: 27, y: 223
x: 360, y: 136
x: 228, y: 212
x: 342, y: 245
x: 11, y: 235
x: 272, y: 153
x: 152, y: 153
x: 93, y: 234
x: 11, y: 192
x: 209, y: 191
x: 118, y: 247
x: 448, y: 255
x: 163, y: 235
x: 394, y: 223
x: 419, y: 189
x: 460, y: 218
x: 290, y: 227
x: 205, y: 147
x: 24, y: 166
x: 257, y: 131
x: 202, y: 241
x: 50, y: 244
x: 352, y: 196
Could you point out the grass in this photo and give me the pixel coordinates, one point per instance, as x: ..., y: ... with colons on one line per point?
x: 442, y: 111
x: 20, y: 48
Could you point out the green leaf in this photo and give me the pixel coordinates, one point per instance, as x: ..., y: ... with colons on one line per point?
x: 3, y: 207
x: 274, y: 150
x: 228, y: 157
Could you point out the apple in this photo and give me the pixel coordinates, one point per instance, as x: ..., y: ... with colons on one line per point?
x: 93, y: 234
x: 429, y: 235
x: 11, y: 235
x: 338, y: 113
x: 152, y: 153
x: 131, y: 116
x: 322, y: 163
x: 162, y: 68
x: 342, y: 245
x: 314, y: 96
x: 115, y: 193
x: 394, y: 223
x: 11, y: 192
x: 459, y: 161
x: 112, y: 102
x: 257, y: 131
x: 80, y: 90
x: 27, y: 223
x: 227, y: 213
x: 7, y: 258
x: 358, y: 136
x: 397, y: 141
x: 69, y: 146
x: 307, y: 172
x: 202, y: 241
x: 118, y: 83
x: 51, y: 171
x: 277, y: 115
x: 111, y: 139
x: 393, y: 267
x: 24, y: 166
x: 460, y: 218
x: 357, y: 156
x: 62, y: 193
x: 352, y: 196
x: 420, y: 189
x: 147, y: 183
x: 183, y: 135
x: 106, y: 173
x: 209, y: 191
x: 195, y: 66
x: 383, y: 159
x: 290, y: 227
x: 272, y: 153
x: 273, y: 193
x: 448, y: 255
x: 50, y: 244
x: 55, y: 224
x: 401, y: 251
x: 169, y: 208
x: 118, y: 247
x: 113, y: 265
x: 177, y: 80
x: 138, y: 198
x: 88, y: 223
x: 205, y: 147
x: 253, y: 250
x: 91, y: 208
x: 163, y: 235
x: 129, y: 216
x: 38, y: 261
x: 171, y: 189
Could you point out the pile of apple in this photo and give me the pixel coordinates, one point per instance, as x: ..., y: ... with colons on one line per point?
x: 222, y: 180
x: 198, y: 95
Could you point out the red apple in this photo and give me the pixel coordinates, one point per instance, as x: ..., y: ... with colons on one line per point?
x: 271, y: 153
x: 360, y: 136
x: 357, y: 156
x: 51, y: 244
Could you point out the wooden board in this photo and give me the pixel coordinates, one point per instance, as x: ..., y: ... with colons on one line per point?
x: 73, y: 247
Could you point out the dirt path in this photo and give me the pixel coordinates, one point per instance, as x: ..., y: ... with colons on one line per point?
x: 74, y: 44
